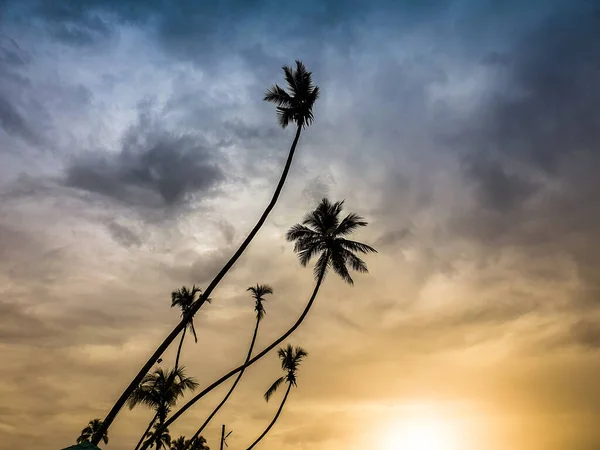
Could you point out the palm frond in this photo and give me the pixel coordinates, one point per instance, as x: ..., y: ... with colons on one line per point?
x: 353, y: 261
x: 288, y: 73
x: 322, y: 264
x: 273, y: 388
x: 299, y: 231
x: 279, y: 96
x: 350, y: 223
x: 339, y: 267
x: 354, y: 246
x: 306, y: 254
x: 284, y: 116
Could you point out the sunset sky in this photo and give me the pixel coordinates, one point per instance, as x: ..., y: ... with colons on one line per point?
x: 136, y: 153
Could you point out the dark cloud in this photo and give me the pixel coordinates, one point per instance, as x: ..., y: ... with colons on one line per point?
x: 155, y: 168
x: 13, y: 122
x: 532, y: 152
x: 123, y: 235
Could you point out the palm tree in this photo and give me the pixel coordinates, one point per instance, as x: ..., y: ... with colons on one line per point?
x: 159, y: 437
x: 184, y: 298
x: 90, y: 430
x: 294, y: 106
x: 258, y: 294
x: 320, y: 233
x: 199, y: 444
x: 160, y: 391
x: 290, y: 360
x: 181, y: 444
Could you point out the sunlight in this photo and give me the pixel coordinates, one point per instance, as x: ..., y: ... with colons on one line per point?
x: 423, y: 433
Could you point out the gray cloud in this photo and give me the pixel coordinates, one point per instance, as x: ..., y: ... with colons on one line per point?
x: 155, y: 168
x: 13, y: 122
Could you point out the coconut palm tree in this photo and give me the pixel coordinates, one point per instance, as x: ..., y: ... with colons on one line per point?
x: 160, y: 391
x: 295, y: 106
x: 320, y: 233
x: 199, y: 444
x: 184, y: 298
x: 290, y: 360
x: 160, y: 437
x: 258, y: 294
x: 181, y: 444
x: 90, y: 430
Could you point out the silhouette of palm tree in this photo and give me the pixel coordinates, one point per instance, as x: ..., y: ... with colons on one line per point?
x: 160, y: 391
x: 258, y: 294
x: 181, y: 444
x: 290, y: 360
x: 90, y: 430
x: 295, y: 106
x: 184, y: 298
x: 160, y: 437
x: 320, y: 233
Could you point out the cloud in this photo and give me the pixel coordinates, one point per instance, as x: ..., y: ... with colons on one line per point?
x: 155, y: 168
x: 13, y: 122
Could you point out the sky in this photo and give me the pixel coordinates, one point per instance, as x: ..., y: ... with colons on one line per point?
x: 136, y: 153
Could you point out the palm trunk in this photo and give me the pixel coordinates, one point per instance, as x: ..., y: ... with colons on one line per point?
x: 274, y: 419
x: 108, y: 420
x: 209, y: 418
x: 179, y: 349
x: 225, y: 377
x: 146, y: 432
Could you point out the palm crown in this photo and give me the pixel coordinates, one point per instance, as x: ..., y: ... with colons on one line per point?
x: 90, y: 430
x: 184, y: 298
x: 258, y: 294
x: 321, y: 232
x: 161, y: 389
x: 297, y: 104
x: 290, y: 360
x: 160, y: 438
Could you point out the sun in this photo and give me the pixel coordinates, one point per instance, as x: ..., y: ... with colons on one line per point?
x: 421, y: 433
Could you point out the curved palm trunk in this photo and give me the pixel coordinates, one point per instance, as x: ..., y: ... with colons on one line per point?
x: 146, y: 432
x: 179, y: 349
x: 216, y: 410
x: 274, y: 419
x: 194, y: 309
x: 225, y: 377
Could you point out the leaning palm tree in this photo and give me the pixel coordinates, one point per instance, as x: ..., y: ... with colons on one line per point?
x: 90, y: 430
x: 185, y: 298
x: 295, y: 106
x: 320, y: 233
x: 258, y: 294
x: 160, y: 391
x: 290, y: 360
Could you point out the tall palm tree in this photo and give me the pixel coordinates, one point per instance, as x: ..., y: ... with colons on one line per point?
x: 290, y: 360
x: 320, y: 233
x: 160, y: 391
x: 258, y: 294
x: 90, y: 430
x: 185, y: 298
x: 294, y: 106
